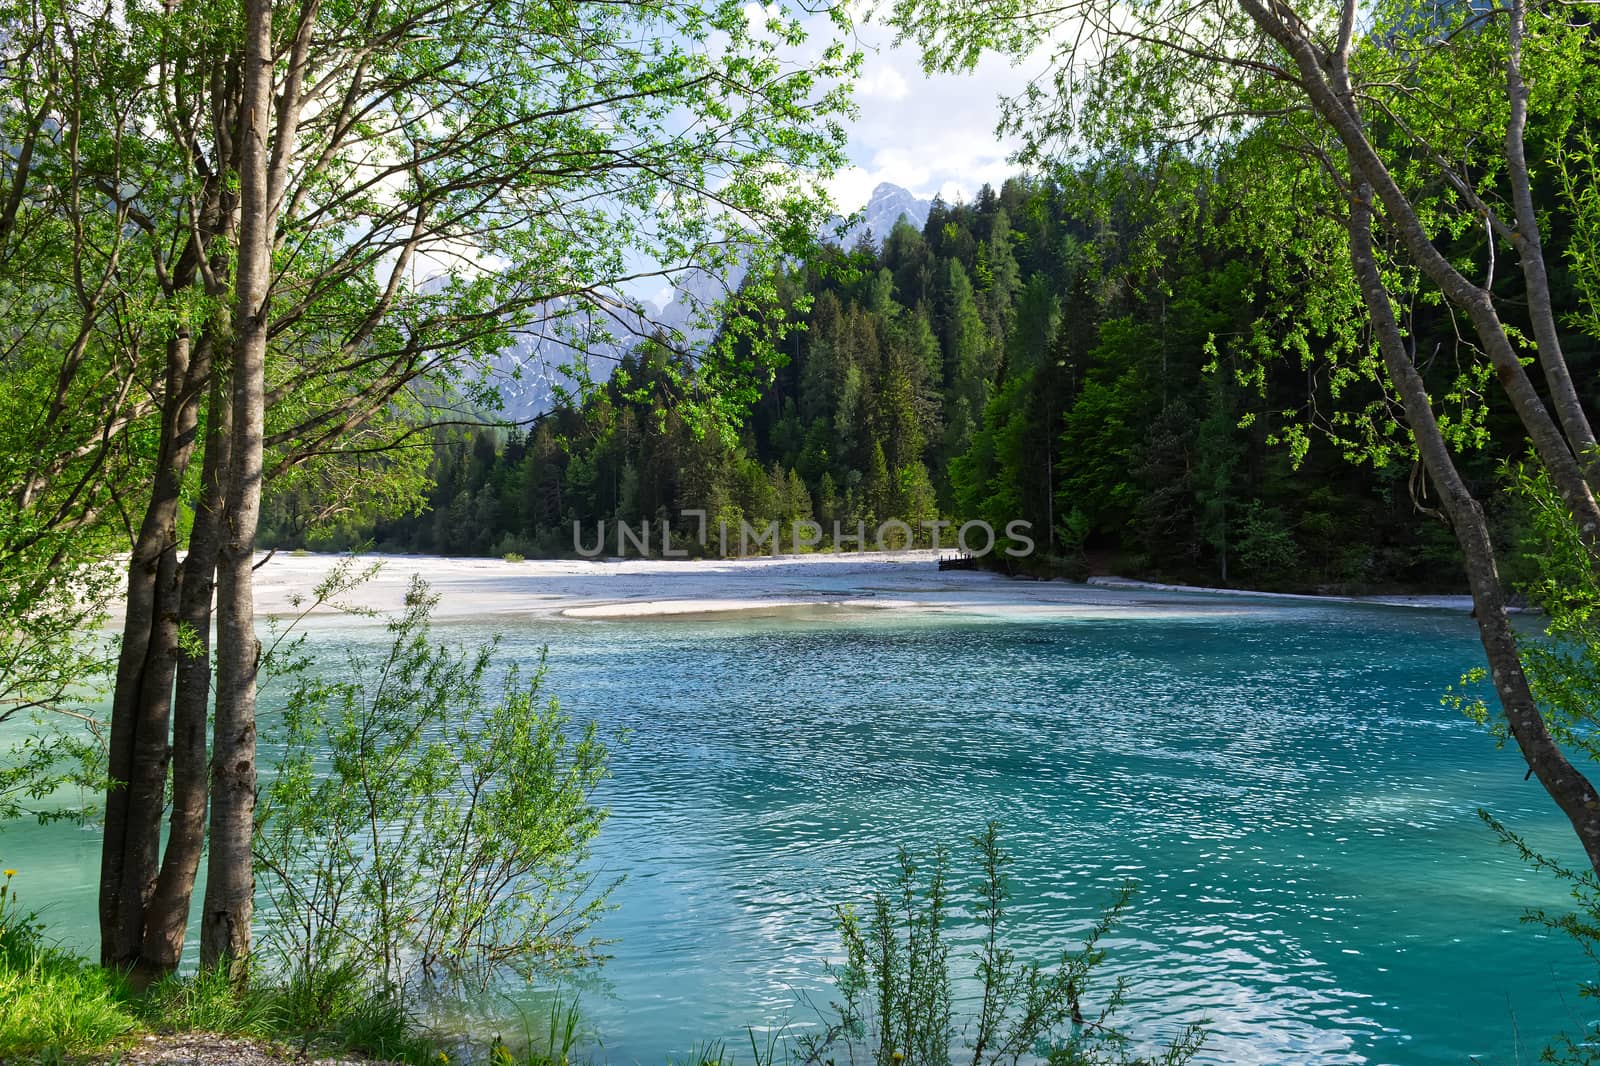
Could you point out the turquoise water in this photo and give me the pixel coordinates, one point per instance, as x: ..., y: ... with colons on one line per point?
x: 1282, y: 782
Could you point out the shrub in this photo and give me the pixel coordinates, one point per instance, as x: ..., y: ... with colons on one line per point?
x: 896, y: 1006
x: 1265, y: 546
x: 426, y: 832
x: 513, y: 544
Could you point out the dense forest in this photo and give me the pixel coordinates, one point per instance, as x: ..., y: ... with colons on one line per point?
x: 1009, y: 361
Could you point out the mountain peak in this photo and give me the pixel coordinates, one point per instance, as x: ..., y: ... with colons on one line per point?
x: 889, y: 203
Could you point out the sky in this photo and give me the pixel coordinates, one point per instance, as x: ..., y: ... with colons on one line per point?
x: 926, y: 134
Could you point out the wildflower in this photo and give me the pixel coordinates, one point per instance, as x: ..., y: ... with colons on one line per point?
x: 897, y: 1055
x: 11, y: 873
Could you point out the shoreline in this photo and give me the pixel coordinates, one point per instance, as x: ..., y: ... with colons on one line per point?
x: 579, y: 591
x: 1425, y: 601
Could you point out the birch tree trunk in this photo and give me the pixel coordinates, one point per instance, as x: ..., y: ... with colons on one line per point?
x: 263, y: 178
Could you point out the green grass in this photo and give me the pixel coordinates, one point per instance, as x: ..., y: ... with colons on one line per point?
x: 51, y: 1001
x: 338, y: 1007
x: 54, y: 1004
x: 332, y: 1010
x: 206, y: 1003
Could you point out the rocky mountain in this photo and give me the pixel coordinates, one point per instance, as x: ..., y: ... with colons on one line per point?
x: 528, y: 373
x: 889, y: 203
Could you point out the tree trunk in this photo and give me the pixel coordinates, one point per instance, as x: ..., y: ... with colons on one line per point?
x: 137, y: 755
x: 230, y: 878
x: 167, y: 917
x: 1566, y: 785
x: 1530, y: 250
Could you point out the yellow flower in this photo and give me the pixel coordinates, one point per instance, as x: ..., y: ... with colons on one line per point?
x: 898, y: 1055
x: 11, y: 873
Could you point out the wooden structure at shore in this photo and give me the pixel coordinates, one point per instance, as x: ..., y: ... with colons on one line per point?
x: 961, y: 561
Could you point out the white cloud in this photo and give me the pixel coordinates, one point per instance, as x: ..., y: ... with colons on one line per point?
x: 756, y: 14
x: 881, y: 83
x: 928, y: 134
x: 850, y: 189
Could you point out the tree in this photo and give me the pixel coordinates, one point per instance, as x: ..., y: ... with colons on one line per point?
x: 1376, y: 120
x: 967, y: 353
x: 325, y: 211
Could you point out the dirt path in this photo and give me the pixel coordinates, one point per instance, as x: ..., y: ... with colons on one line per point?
x: 206, y: 1049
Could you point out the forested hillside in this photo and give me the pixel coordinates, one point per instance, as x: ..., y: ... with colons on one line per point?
x: 1013, y: 359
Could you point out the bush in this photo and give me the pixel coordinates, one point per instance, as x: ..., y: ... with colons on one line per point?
x: 1266, y: 548
x: 896, y: 1006
x: 512, y: 544
x: 424, y: 832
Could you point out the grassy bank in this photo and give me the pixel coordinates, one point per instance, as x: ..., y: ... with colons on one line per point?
x: 56, y: 1007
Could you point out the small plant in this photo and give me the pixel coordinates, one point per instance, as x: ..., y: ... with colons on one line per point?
x: 299, y: 553
x: 424, y: 830
x: 209, y: 1001
x: 19, y: 932
x: 560, y: 1040
x: 512, y: 557
x: 896, y: 1006
x: 340, y: 1006
x: 51, y: 1003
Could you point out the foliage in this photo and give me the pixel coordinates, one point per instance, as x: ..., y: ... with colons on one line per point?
x: 1564, y: 668
x: 50, y: 1000
x: 1109, y: 394
x: 52, y: 750
x: 51, y: 669
x: 423, y: 830
x: 896, y: 1006
x: 1265, y: 547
